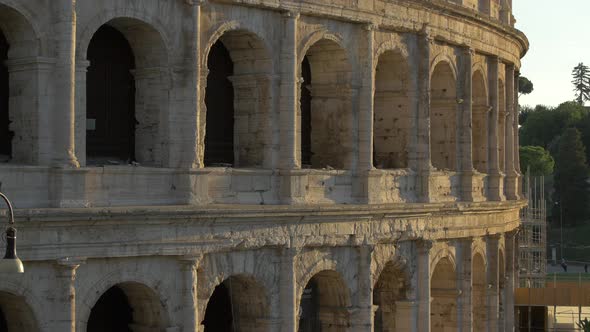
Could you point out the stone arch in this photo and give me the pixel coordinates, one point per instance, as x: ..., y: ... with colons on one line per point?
x: 480, y: 121
x: 144, y: 283
x: 17, y: 301
x: 392, y: 46
x: 390, y: 292
x: 443, y: 58
x: 444, y: 295
x: 393, y: 111
x: 128, y: 304
x: 324, y: 303
x: 443, y: 116
x: 502, y: 126
x: 143, y: 101
x: 246, y: 302
x: 327, y: 116
x: 20, y: 69
x: 439, y: 253
x: 478, y: 296
x: 240, y: 117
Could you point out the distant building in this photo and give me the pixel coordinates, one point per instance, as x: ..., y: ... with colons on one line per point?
x: 269, y: 165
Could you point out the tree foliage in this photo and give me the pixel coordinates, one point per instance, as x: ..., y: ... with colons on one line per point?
x: 537, y: 160
x: 525, y: 86
x: 581, y: 82
x: 571, y: 174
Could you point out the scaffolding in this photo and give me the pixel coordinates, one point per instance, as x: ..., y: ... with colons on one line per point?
x: 532, y: 237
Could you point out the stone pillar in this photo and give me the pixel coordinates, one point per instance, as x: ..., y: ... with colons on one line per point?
x: 510, y: 184
x: 189, y: 266
x: 495, y: 190
x: 516, y: 137
x: 63, y: 119
x: 64, y: 315
x: 362, y: 317
x: 422, y: 316
x: 492, y: 276
x: 366, y: 107
x: 511, y: 280
x: 464, y: 284
x: 288, y: 291
x: 423, y: 160
x: 80, y: 118
x: 465, y: 134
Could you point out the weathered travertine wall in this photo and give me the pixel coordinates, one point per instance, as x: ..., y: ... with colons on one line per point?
x: 405, y: 219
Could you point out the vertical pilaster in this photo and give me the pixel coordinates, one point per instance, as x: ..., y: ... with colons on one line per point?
x: 493, y: 289
x: 193, y: 159
x: 367, y: 103
x: 510, y: 282
x: 64, y: 315
x: 65, y: 82
x: 464, y: 284
x: 423, y: 157
x: 495, y: 181
x: 510, y: 184
x: 189, y: 266
x: 516, y: 136
x: 288, y: 291
x: 289, y: 117
x: 362, y: 316
x: 465, y: 135
x: 422, y: 318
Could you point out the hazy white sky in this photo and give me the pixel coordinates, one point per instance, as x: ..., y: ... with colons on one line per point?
x: 559, y: 36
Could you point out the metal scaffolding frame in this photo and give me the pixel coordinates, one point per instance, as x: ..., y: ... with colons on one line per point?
x: 532, y: 237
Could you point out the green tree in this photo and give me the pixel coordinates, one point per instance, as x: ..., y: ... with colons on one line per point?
x: 537, y: 160
x: 570, y: 178
x: 525, y: 86
x: 581, y: 82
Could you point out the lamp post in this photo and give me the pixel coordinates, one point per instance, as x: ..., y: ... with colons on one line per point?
x: 11, y: 263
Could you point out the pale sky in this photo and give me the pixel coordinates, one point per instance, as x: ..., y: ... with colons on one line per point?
x: 559, y: 35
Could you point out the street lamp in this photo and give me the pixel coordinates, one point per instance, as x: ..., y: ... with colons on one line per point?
x: 10, y: 263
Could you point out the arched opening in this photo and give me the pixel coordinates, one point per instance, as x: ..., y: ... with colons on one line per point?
x: 444, y: 294
x: 324, y: 304
x: 15, y: 314
x: 238, y: 99
x: 5, y: 133
x: 329, y: 105
x: 126, y: 94
x: 480, y: 123
x: 478, y: 293
x: 502, y: 126
x: 443, y: 118
x: 127, y: 307
x: 237, y: 304
x: 389, y: 290
x: 392, y: 117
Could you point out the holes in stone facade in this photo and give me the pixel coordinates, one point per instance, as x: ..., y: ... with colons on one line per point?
x: 389, y: 290
x: 443, y: 307
x: 127, y: 307
x: 127, y: 94
x: 110, y: 93
x: 392, y: 115
x: 330, y: 133
x: 15, y: 314
x: 237, y: 304
x: 480, y: 123
x: 443, y: 118
x: 5, y: 133
x: 250, y: 114
x: 324, y: 304
x: 219, y: 99
x: 502, y: 126
x: 478, y: 295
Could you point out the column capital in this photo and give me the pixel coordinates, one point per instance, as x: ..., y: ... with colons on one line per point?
x: 291, y: 14
x: 194, y: 2
x: 67, y: 266
x: 370, y: 26
x: 424, y: 245
x: 191, y: 261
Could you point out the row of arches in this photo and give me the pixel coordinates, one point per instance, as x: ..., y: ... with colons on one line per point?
x: 241, y: 303
x: 127, y: 96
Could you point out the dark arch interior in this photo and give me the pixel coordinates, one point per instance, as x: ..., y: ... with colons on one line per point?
x: 219, y: 100
x: 309, y: 320
x: 5, y: 133
x: 110, y: 109
x: 218, y: 315
x: 3, y: 325
x: 306, y: 152
x: 111, y: 312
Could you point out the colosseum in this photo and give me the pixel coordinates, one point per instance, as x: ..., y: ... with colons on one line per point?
x: 260, y: 165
